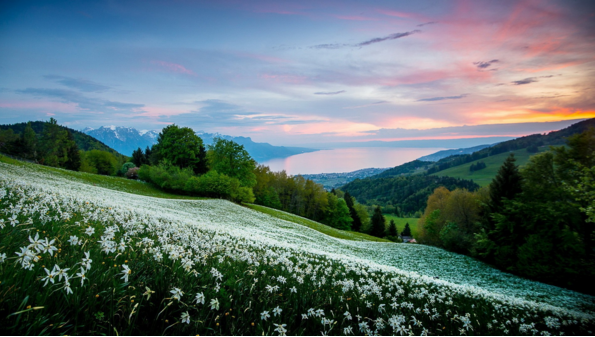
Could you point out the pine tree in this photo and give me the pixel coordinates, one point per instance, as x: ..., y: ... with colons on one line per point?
x: 378, y: 223
x: 506, y: 184
x: 29, y: 142
x: 138, y: 157
x: 356, y: 225
x: 406, y: 231
x: 73, y: 157
x: 202, y: 166
x: 392, y: 228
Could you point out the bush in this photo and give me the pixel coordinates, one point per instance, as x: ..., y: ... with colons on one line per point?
x: 104, y: 162
x: 394, y: 238
x: 127, y: 166
x: 132, y: 173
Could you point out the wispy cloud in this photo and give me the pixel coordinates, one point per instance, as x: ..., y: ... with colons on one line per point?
x: 484, y: 65
x: 173, y: 67
x: 78, y: 83
x: 365, y: 105
x: 367, y: 42
x: 427, y: 23
x: 329, y: 93
x: 530, y: 80
x: 84, y: 102
x: 433, y: 99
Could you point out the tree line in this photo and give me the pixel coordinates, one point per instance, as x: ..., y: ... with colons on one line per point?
x: 536, y: 222
x: 57, y: 146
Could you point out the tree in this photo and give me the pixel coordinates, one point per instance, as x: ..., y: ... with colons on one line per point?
x: 139, y: 158
x: 202, y: 166
x: 73, y: 158
x: 392, y: 228
x: 406, y: 231
x: 230, y: 158
x: 378, y: 223
x: 357, y: 222
x: 53, y: 144
x: 506, y: 184
x: 104, y: 162
x: 179, y: 146
x: 29, y: 142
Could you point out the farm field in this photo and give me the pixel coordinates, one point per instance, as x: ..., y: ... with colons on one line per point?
x: 484, y: 177
x: 82, y: 259
x: 400, y: 223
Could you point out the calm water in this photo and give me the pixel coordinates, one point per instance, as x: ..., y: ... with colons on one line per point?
x: 347, y: 160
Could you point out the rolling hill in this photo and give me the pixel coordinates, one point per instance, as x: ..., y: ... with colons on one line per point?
x: 149, y: 265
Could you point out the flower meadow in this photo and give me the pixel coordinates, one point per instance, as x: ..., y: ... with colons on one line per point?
x: 81, y: 259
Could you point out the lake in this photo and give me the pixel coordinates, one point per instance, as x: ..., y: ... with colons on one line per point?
x: 347, y: 160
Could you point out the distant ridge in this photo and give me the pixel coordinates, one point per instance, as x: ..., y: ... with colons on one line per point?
x: 83, y: 141
x: 126, y: 140
x: 447, y: 153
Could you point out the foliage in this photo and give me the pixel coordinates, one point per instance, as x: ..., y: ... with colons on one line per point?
x: 406, y: 231
x: 104, y: 162
x: 125, y: 167
x: 378, y: 223
x: 179, y: 146
x: 230, y: 158
x: 477, y: 166
x: 409, y: 193
x: 132, y: 173
x: 392, y: 229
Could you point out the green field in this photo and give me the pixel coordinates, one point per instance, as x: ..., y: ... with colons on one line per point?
x: 484, y: 177
x: 400, y: 222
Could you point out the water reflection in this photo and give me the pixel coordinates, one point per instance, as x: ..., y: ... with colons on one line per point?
x: 347, y: 160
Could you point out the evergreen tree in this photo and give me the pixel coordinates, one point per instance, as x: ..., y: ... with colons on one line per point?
x: 73, y: 157
x: 506, y: 184
x: 392, y: 228
x: 29, y: 142
x: 356, y: 225
x: 406, y: 231
x: 202, y: 166
x: 138, y: 157
x: 378, y: 223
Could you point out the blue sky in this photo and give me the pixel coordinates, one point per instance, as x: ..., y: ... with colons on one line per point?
x: 298, y: 73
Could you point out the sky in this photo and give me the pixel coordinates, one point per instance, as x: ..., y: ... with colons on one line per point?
x: 301, y: 72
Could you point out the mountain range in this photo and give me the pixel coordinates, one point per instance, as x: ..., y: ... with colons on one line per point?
x: 125, y: 140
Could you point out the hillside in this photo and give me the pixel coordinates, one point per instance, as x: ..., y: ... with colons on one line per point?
x: 484, y: 176
x: 83, y: 141
x: 142, y: 265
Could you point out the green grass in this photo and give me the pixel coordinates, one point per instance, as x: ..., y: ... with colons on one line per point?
x: 330, y: 231
x: 484, y: 177
x: 400, y: 222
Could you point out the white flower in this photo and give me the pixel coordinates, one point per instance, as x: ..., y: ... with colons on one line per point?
x: 2, y: 257
x: 185, y: 317
x: 90, y: 230
x: 82, y: 275
x: 264, y: 315
x: 348, y: 330
x: 87, y: 261
x: 48, y: 246
x: 200, y: 298
x: 125, y: 272
x: 304, y: 316
x: 177, y: 293
x: 60, y: 272
x: 293, y: 289
x: 214, y: 304
x: 74, y: 240
x: 50, y: 277
x: 36, y: 243
x: 13, y: 220
x: 281, y: 329
x: 277, y: 311
x: 67, y: 287
x: 347, y: 315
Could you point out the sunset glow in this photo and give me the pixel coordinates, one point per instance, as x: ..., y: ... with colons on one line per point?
x: 300, y: 73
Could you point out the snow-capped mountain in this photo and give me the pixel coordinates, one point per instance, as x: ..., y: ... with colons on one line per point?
x: 125, y: 140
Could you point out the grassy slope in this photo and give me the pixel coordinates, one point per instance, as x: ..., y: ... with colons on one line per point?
x: 141, y: 188
x: 484, y: 177
x: 330, y: 231
x: 400, y: 222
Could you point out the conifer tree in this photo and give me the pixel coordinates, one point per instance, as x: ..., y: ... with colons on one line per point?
x: 356, y: 225
x: 392, y: 228
x: 378, y: 223
x: 406, y: 231
x: 506, y: 184
x: 73, y: 157
x: 29, y: 142
x: 138, y: 157
x: 202, y: 166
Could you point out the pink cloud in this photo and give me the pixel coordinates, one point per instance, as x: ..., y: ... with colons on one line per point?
x: 284, y: 78
x: 355, y: 18
x: 43, y: 106
x: 173, y: 67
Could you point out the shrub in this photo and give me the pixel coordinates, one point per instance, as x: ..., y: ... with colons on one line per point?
x: 127, y: 166
x: 132, y: 173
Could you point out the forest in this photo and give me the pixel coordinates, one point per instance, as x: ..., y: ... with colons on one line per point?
x: 536, y: 222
